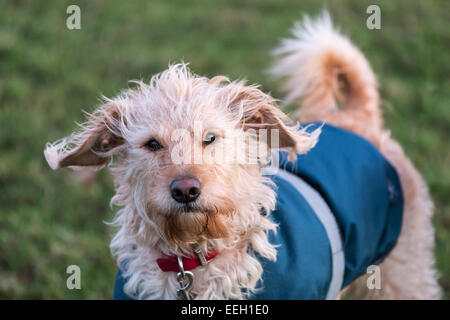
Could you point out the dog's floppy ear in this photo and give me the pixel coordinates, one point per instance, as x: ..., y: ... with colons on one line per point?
x: 259, y: 111
x: 93, y: 145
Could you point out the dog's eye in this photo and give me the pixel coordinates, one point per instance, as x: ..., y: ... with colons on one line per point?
x: 153, y: 145
x: 209, y: 138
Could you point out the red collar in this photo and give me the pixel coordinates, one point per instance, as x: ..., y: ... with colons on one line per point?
x: 171, y: 263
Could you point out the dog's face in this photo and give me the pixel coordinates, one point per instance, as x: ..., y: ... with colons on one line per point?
x: 189, y: 151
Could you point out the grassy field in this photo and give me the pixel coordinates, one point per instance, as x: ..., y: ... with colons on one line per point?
x: 48, y: 220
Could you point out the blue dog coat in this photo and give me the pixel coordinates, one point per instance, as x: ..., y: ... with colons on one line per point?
x: 339, y: 210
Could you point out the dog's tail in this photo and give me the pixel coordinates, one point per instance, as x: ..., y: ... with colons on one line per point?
x: 321, y: 68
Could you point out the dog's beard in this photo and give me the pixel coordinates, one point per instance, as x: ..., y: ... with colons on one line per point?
x: 190, y: 224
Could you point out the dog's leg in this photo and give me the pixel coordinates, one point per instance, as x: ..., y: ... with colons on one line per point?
x: 408, y: 272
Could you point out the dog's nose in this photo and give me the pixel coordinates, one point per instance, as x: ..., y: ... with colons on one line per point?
x: 185, y: 189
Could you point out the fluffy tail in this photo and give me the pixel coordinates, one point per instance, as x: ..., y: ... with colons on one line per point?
x: 321, y: 68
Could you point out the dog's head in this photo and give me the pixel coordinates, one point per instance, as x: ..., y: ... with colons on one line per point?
x: 188, y: 149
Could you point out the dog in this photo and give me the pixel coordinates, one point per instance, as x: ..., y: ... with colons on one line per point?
x: 208, y: 229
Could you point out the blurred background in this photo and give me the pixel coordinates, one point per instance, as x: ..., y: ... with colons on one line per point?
x: 48, y: 74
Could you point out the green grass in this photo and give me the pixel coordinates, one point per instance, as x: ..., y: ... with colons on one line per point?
x: 48, y: 74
